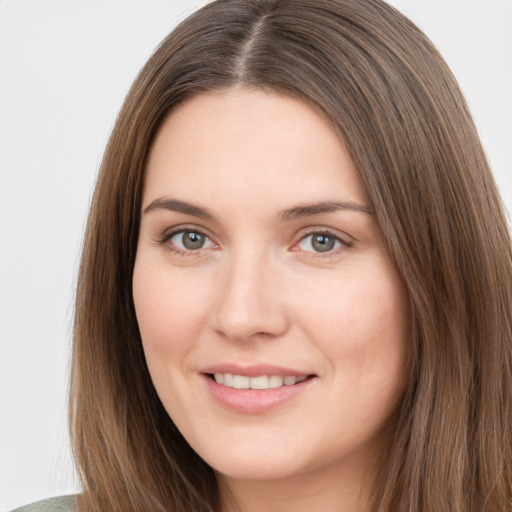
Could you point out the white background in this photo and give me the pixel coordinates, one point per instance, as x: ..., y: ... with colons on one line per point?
x: 65, y: 66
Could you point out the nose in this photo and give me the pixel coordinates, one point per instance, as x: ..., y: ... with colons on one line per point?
x: 249, y: 303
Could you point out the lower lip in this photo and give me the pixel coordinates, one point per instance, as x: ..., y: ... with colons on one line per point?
x: 255, y: 401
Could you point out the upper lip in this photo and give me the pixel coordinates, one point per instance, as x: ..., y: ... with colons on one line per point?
x: 254, y: 370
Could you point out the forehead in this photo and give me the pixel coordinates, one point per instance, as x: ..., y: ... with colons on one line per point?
x: 249, y: 142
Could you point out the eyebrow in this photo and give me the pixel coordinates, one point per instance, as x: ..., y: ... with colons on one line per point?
x: 297, y: 212
x: 307, y: 210
x: 175, y: 205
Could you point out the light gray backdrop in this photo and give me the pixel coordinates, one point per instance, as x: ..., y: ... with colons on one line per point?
x: 65, y: 66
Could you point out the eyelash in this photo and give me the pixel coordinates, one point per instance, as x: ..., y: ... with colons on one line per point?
x: 168, y: 236
x: 343, y: 244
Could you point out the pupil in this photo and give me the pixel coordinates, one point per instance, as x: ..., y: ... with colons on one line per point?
x: 192, y: 240
x: 322, y: 243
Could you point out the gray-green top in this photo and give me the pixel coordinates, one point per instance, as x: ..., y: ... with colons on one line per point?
x: 60, y: 504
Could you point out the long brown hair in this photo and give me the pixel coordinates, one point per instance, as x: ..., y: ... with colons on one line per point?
x: 399, y: 111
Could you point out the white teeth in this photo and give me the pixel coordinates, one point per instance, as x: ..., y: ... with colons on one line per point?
x: 260, y: 382
x: 241, y: 382
x: 275, y: 381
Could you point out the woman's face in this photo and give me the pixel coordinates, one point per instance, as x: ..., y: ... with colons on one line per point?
x: 260, y: 266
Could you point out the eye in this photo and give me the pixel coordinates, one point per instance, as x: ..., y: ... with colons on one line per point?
x: 189, y: 240
x: 320, y: 242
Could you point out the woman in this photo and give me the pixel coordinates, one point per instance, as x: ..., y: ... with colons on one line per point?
x: 295, y: 285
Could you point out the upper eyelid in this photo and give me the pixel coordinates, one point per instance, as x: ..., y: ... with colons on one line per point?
x: 319, y: 230
x: 326, y: 233
x: 170, y: 232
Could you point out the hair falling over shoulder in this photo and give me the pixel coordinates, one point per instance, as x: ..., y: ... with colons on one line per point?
x: 401, y: 115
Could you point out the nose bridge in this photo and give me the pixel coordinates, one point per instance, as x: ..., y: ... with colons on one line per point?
x: 248, y: 302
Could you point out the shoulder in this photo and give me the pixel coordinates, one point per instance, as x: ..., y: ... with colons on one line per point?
x: 60, y: 504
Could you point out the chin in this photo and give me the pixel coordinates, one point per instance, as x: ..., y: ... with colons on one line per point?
x: 257, y: 470
x: 268, y: 459
x: 260, y: 460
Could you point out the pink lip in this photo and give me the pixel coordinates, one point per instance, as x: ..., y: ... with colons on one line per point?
x: 253, y: 370
x: 253, y: 401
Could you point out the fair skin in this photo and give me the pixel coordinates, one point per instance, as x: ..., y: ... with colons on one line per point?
x: 258, y: 257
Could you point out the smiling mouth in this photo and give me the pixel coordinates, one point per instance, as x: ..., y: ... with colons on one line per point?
x: 260, y: 382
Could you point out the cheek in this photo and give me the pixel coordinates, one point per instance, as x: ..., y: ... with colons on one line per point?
x: 361, y: 325
x: 359, y: 311
x: 170, y: 311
